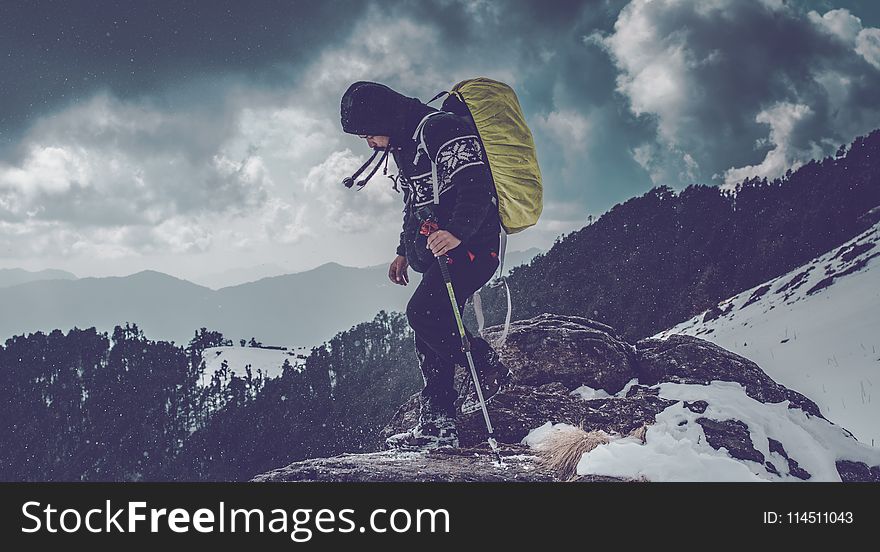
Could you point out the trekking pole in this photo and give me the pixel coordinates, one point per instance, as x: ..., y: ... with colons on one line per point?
x: 429, y: 226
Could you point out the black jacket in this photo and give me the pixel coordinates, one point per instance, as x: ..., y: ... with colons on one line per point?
x: 467, y: 207
x: 468, y: 203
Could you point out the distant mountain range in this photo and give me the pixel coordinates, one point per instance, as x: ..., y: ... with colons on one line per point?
x: 294, y: 309
x: 239, y: 275
x: 301, y: 309
x: 245, y: 274
x: 15, y: 276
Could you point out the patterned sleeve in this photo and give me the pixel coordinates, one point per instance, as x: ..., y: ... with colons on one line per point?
x: 401, y: 244
x: 455, y: 146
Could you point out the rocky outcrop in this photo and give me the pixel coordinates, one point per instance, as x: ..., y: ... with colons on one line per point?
x: 688, y: 359
x: 476, y: 464
x: 551, y: 357
x: 568, y: 350
x: 732, y: 435
x: 857, y: 471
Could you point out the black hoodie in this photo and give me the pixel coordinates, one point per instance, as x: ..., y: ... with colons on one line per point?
x: 468, y: 204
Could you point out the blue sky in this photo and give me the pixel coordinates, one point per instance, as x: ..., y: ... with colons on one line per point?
x: 196, y: 137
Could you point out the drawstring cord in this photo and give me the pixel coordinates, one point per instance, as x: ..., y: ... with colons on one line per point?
x: 384, y: 157
x: 348, y: 181
x: 393, y: 177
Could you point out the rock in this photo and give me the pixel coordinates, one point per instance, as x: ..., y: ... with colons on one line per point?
x: 732, y: 435
x: 441, y: 465
x: 793, y: 467
x: 857, y: 471
x: 642, y: 389
x: 687, y: 359
x: 697, y: 406
x: 570, y: 350
x: 869, y: 218
x: 550, y: 356
x: 517, y: 410
x: 712, y: 313
x: 623, y: 414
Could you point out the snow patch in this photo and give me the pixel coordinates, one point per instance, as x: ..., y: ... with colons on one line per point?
x: 586, y: 392
x: 538, y: 435
x: 269, y: 361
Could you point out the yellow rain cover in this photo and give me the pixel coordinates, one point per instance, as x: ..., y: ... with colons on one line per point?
x: 510, y: 149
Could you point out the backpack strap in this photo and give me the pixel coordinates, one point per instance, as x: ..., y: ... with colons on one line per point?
x: 439, y: 94
x: 419, y: 136
x: 503, y: 339
x: 478, y: 303
x: 478, y: 311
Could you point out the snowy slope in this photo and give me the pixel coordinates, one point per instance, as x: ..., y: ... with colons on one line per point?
x: 269, y: 361
x: 815, y: 330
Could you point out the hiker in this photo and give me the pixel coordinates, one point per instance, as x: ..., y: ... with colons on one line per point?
x: 469, y: 233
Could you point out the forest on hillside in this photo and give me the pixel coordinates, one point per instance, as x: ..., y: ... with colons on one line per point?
x: 663, y: 257
x: 86, y: 406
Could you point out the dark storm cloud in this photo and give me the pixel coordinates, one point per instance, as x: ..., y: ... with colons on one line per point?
x: 64, y: 52
x: 716, y: 75
x: 541, y: 45
x: 541, y: 41
x: 59, y: 51
x: 157, y: 114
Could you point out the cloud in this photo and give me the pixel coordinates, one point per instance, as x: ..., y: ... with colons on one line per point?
x: 349, y: 210
x: 738, y: 89
x: 240, y: 161
x: 569, y: 129
x: 868, y: 45
x: 784, y: 120
x: 482, y: 11
x: 139, y: 49
x: 235, y: 150
x: 219, y: 163
x: 848, y: 28
x: 840, y: 23
x: 113, y: 178
x: 40, y: 238
x: 107, y: 162
x: 284, y: 223
x: 665, y: 163
x: 292, y: 134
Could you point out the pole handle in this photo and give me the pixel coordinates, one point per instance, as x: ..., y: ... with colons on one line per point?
x: 443, y: 260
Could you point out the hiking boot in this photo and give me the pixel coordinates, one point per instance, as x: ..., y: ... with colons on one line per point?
x: 435, y: 429
x: 493, y: 374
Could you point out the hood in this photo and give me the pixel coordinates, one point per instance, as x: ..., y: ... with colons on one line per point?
x: 375, y: 109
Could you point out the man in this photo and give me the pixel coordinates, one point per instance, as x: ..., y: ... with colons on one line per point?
x: 469, y: 233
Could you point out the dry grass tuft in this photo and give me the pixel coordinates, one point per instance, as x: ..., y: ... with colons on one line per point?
x: 640, y: 432
x: 562, y: 450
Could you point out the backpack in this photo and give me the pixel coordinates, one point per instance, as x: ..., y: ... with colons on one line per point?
x: 513, y: 162
x: 510, y: 149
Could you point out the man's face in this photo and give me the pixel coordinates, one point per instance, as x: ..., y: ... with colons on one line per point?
x: 376, y: 141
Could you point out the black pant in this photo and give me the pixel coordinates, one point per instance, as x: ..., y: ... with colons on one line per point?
x: 430, y: 315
